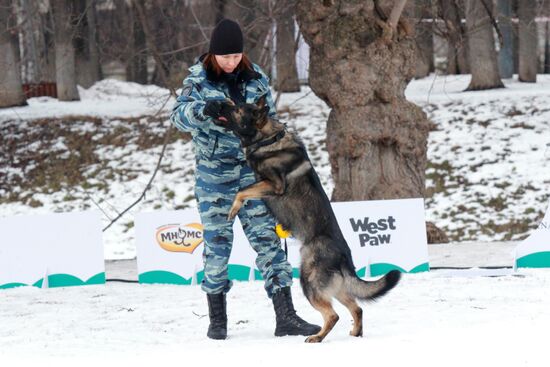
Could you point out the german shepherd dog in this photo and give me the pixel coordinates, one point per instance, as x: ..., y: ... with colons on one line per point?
x: 291, y: 189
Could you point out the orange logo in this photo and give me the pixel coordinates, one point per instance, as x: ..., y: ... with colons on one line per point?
x: 180, y: 238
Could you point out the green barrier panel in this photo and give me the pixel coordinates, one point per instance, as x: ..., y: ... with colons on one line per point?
x: 61, y: 280
x: 12, y: 285
x: 235, y: 272
x: 536, y: 260
x: 242, y: 273
x: 383, y: 268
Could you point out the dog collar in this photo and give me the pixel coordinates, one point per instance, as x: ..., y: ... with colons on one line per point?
x: 262, y: 143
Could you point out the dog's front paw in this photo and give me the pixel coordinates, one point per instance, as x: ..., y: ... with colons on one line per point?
x: 314, y: 339
x: 234, y: 210
x: 356, y: 333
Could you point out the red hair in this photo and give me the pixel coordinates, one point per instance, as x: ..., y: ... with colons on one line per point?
x: 212, y: 65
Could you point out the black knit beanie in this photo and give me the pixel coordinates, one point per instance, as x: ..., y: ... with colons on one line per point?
x: 227, y: 38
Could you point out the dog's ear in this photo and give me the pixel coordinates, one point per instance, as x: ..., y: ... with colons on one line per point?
x: 262, y: 117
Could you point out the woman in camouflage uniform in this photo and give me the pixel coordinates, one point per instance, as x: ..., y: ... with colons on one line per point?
x: 221, y: 171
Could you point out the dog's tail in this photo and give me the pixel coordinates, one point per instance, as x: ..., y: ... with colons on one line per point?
x: 370, y: 290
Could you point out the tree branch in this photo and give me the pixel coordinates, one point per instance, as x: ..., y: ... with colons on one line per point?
x: 494, y: 22
x: 396, y: 13
x: 151, y: 44
x: 148, y: 186
x: 198, y: 23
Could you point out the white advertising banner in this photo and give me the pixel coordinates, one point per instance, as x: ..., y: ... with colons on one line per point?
x: 534, y: 251
x: 53, y: 250
x: 382, y: 234
x: 170, y: 247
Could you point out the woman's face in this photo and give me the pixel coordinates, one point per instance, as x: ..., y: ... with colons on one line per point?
x: 229, y: 62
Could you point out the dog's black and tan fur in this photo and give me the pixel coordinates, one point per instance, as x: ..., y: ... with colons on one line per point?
x: 290, y: 187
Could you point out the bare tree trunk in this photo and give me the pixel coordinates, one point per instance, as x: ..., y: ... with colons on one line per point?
x: 136, y: 63
x: 376, y: 139
x: 547, y: 48
x: 515, y: 37
x: 546, y: 60
x: 28, y: 19
x: 506, y: 55
x: 481, y: 42
x: 36, y: 38
x: 95, y: 62
x: 457, y: 54
x: 47, y: 46
x: 141, y: 13
x: 88, y: 68
x: 11, y: 90
x: 64, y: 50
x: 424, y: 39
x: 528, y: 60
x: 287, y: 73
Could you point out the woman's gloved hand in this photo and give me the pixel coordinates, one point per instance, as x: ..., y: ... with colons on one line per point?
x: 213, y: 109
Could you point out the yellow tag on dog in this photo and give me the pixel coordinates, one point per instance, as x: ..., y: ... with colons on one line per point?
x: 281, y: 232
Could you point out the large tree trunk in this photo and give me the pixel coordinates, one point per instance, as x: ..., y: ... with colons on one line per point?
x: 506, y: 54
x: 88, y: 67
x: 515, y: 38
x: 528, y: 60
x: 95, y: 64
x: 11, y: 90
x: 376, y: 139
x: 287, y: 74
x: 47, y: 46
x: 547, y: 48
x: 424, y: 39
x: 546, y: 59
x: 65, y: 65
x: 28, y: 16
x: 457, y: 54
x: 36, y: 38
x: 481, y: 42
x: 136, y: 61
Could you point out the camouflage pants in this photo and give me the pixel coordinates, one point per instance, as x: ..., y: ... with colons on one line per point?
x: 215, y: 188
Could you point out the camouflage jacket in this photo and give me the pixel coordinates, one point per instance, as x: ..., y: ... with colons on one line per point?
x: 213, y: 143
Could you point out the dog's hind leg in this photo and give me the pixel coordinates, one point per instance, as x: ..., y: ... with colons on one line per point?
x: 356, y: 312
x: 324, y: 306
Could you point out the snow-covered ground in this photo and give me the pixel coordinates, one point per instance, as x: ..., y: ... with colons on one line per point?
x: 489, y: 159
x: 487, y: 180
x: 431, y: 319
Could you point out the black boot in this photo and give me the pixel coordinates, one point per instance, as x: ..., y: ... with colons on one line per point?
x: 218, y: 316
x: 288, y: 323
